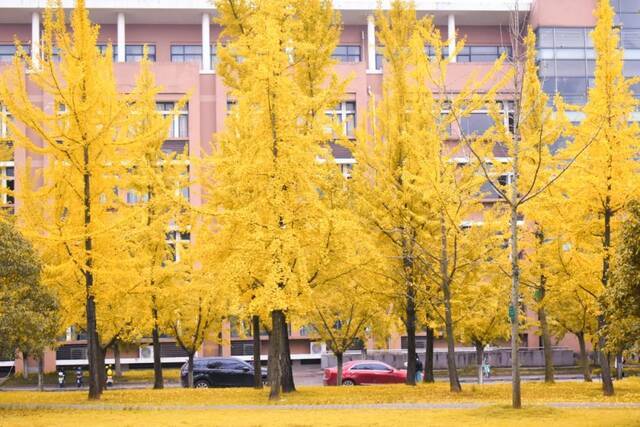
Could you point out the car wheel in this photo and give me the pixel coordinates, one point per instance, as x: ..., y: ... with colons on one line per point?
x: 348, y: 382
x: 201, y: 384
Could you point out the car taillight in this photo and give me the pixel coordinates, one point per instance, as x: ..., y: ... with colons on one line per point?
x: 327, y: 374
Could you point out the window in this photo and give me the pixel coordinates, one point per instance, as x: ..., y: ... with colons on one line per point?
x: 7, y: 184
x: 626, y: 6
x: 566, y: 62
x: 180, y: 125
x: 360, y: 367
x: 476, y: 123
x: 569, y: 37
x: 378, y: 367
x: 134, y: 52
x: 177, y: 241
x: 379, y: 57
x: 481, y: 53
x: 347, y: 53
x: 346, y: 169
x: 8, y: 51
x: 345, y: 114
x: 5, y: 116
x: 190, y: 53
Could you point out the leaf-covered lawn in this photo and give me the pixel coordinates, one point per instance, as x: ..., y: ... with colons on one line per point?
x: 627, y: 390
x: 491, y: 416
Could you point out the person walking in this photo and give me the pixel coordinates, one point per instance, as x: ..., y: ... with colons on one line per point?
x: 419, y: 369
x: 61, y: 378
x: 109, y: 376
x: 78, y: 376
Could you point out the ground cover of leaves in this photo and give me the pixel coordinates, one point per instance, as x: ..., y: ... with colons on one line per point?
x: 627, y: 390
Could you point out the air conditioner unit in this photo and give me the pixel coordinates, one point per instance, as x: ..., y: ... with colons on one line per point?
x: 317, y: 347
x: 146, y: 352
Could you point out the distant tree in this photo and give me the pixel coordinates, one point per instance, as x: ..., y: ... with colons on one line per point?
x: 29, y: 320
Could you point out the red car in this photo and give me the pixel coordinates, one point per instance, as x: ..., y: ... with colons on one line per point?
x: 365, y: 372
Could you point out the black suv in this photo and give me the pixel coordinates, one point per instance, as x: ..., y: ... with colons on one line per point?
x: 220, y: 372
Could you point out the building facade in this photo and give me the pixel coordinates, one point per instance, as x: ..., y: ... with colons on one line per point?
x: 181, y: 39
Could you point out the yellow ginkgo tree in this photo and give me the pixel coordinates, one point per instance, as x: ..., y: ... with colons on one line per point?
x: 607, y: 175
x: 267, y: 170
x: 71, y: 207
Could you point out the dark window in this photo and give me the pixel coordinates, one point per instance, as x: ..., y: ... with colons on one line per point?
x: 361, y: 367
x: 347, y: 53
x: 378, y: 367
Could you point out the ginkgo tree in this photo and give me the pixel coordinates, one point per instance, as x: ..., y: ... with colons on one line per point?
x: 606, y: 178
x: 413, y: 193
x: 155, y: 181
x: 70, y: 207
x: 526, y: 140
x: 276, y: 63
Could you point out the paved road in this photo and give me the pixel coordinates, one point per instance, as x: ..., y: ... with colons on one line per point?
x: 308, y: 375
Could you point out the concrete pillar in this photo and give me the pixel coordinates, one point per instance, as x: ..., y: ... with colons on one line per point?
x: 371, y: 43
x: 120, y: 56
x: 451, y: 29
x: 35, y: 39
x: 206, y: 42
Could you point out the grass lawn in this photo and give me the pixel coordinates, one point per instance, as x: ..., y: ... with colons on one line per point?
x: 498, y: 416
x: 627, y: 390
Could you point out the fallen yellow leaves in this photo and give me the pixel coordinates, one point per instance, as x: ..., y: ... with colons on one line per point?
x: 627, y: 390
x: 492, y: 416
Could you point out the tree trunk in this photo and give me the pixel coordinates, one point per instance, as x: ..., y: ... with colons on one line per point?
x: 25, y: 365
x: 454, y: 382
x: 102, y: 369
x: 288, y: 385
x: 116, y: 359
x: 584, y: 358
x: 95, y: 388
x: 275, y: 373
x: 40, y: 372
x: 607, y: 382
x: 190, y: 369
x: 338, y: 368
x: 411, y: 335
x: 257, y: 365
x: 516, y: 399
x: 428, y: 358
x: 546, y: 345
x: 480, y: 361
x: 158, y: 381
x: 619, y: 366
